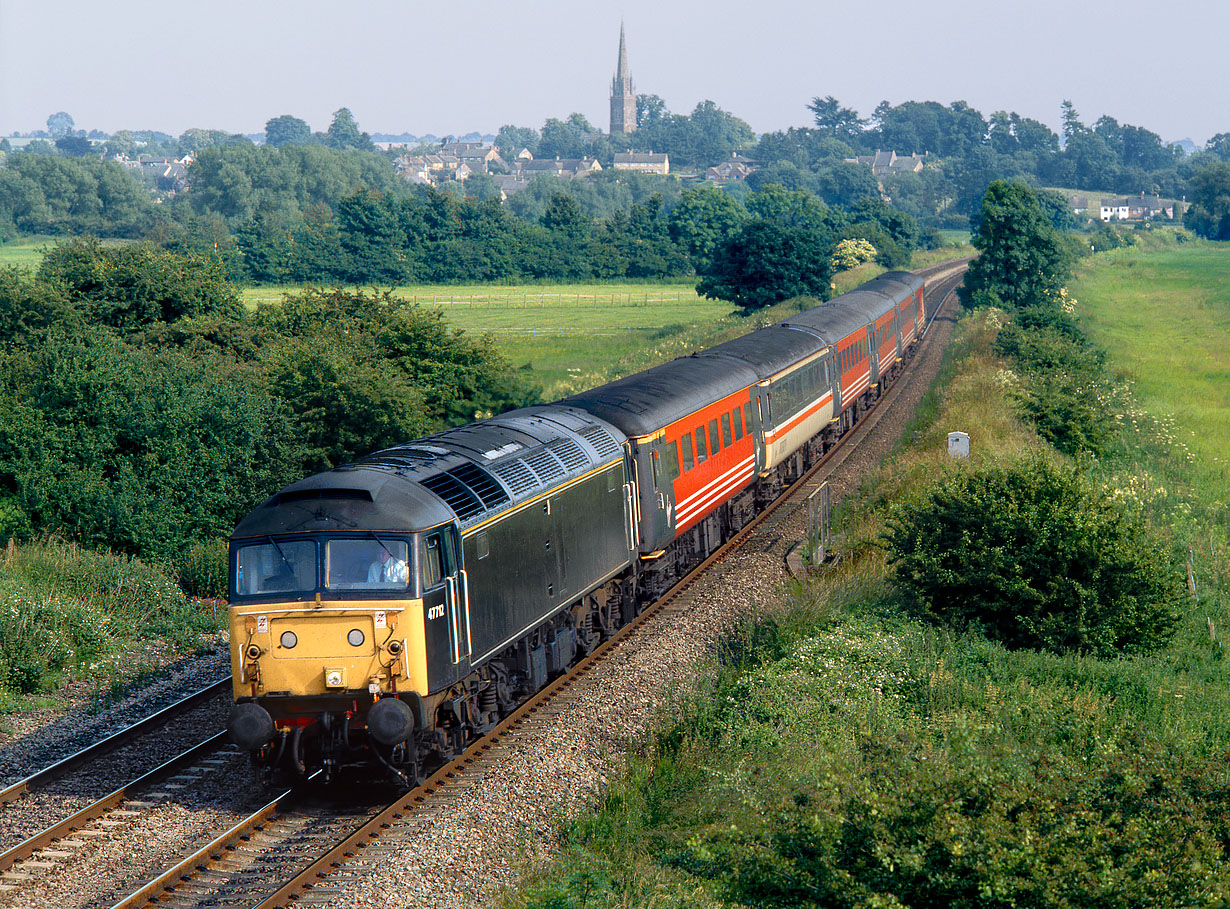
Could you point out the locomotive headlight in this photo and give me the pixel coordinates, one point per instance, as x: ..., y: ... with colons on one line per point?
x: 335, y: 678
x: 289, y: 639
x: 394, y: 647
x: 356, y: 637
x: 253, y: 651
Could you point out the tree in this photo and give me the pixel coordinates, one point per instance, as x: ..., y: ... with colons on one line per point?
x: 129, y: 287
x: 344, y: 132
x: 1022, y: 261
x: 565, y: 138
x: 75, y: 146
x: 1209, y: 215
x: 60, y: 125
x: 767, y: 262
x: 650, y: 110
x: 511, y: 139
x: 837, y: 122
x: 287, y: 130
x: 1219, y: 145
x: 702, y: 220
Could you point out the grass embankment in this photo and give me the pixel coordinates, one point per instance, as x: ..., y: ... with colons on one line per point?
x: 842, y: 753
x: 72, y: 614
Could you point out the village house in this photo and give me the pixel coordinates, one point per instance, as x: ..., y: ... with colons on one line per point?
x: 646, y: 163
x: 887, y: 163
x: 556, y: 167
x: 737, y: 169
x: 1136, y: 209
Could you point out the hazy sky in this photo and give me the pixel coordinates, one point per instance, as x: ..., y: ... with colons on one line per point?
x: 446, y: 67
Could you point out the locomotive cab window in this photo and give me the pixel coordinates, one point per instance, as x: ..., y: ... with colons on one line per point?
x: 367, y: 564
x: 275, y: 567
x: 432, y: 561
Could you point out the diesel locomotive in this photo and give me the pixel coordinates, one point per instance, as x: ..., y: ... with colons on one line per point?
x: 395, y: 608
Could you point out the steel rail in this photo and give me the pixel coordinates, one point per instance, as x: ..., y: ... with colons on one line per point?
x: 76, y: 821
x: 214, y: 852
x: 110, y: 743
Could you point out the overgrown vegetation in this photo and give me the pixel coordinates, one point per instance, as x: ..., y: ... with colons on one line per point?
x: 844, y: 752
x: 69, y: 609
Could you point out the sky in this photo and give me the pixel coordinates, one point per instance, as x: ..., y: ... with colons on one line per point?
x: 452, y: 68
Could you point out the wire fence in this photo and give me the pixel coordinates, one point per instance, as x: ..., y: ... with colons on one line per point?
x: 542, y: 301
x: 555, y: 332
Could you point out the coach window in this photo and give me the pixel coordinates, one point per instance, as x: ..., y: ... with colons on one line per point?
x: 701, y: 453
x: 686, y: 441
x: 714, y: 447
x: 672, y: 461
x: 747, y: 418
x: 737, y: 413
x: 726, y: 430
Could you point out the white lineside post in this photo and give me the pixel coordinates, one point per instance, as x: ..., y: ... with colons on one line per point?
x: 958, y: 445
x: 819, y: 531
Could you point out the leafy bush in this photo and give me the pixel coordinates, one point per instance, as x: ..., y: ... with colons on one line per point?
x: 1031, y: 556
x: 1064, y: 379
x: 982, y: 827
x: 202, y: 569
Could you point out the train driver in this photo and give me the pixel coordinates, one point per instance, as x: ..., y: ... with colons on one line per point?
x: 388, y: 570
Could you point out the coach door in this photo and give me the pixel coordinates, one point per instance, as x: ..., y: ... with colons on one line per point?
x: 445, y: 605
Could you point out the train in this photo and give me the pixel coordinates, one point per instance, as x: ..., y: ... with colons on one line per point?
x: 391, y: 610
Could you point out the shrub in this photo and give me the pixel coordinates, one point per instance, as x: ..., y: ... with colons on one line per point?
x: 202, y: 569
x: 1064, y: 376
x: 1031, y: 556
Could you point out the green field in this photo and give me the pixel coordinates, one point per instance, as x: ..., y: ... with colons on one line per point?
x: 26, y: 253
x: 1163, y: 312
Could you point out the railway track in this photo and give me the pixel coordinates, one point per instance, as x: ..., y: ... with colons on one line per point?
x: 261, y: 861
x: 45, y: 848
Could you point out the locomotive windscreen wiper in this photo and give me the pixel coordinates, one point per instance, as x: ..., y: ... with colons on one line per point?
x: 282, y: 555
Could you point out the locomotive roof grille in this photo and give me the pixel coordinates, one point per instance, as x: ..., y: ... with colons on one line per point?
x: 570, y: 453
x: 468, y: 489
x: 545, y: 466
x: 490, y: 492
x: 459, y: 497
x: 601, y: 440
x: 519, y: 478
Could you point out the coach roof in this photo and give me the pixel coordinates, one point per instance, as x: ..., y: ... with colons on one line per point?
x: 642, y: 404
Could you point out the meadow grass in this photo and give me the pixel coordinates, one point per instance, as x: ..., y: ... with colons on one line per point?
x: 25, y: 253
x: 1162, y: 311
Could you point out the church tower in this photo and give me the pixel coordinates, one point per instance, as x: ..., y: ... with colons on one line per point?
x: 623, y: 93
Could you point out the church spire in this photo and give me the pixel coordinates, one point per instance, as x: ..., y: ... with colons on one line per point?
x: 623, y: 93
